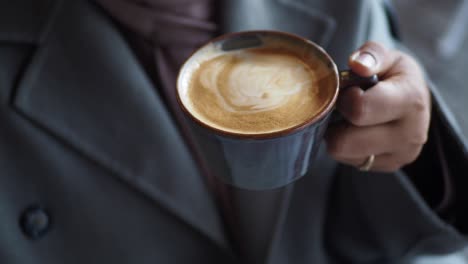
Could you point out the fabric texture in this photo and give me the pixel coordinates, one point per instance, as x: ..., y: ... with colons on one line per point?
x: 87, y: 135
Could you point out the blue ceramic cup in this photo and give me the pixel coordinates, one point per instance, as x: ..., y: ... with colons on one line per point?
x: 260, y: 161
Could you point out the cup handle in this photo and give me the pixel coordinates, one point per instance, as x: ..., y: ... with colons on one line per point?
x: 350, y: 79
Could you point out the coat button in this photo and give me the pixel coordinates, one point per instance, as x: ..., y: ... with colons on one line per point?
x: 35, y: 222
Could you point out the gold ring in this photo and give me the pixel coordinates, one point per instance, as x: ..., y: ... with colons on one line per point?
x: 367, y: 165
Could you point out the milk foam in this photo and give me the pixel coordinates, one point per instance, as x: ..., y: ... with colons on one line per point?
x: 251, y: 82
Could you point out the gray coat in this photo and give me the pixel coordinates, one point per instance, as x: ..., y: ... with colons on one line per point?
x: 93, y: 169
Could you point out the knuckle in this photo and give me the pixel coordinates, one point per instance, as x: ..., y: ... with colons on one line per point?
x: 419, y: 103
x: 404, y: 61
x: 400, y: 59
x: 416, y: 91
x: 419, y: 106
x: 404, y: 57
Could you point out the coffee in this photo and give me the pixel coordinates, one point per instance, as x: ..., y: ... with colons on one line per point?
x: 256, y: 90
x: 263, y: 101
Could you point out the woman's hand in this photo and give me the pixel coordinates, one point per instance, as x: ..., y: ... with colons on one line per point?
x: 390, y: 120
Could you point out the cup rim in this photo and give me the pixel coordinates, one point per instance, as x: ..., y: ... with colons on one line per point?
x: 266, y: 135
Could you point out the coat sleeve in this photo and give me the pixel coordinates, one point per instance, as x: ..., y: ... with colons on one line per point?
x: 440, y: 173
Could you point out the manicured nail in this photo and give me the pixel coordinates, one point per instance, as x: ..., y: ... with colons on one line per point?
x: 365, y: 59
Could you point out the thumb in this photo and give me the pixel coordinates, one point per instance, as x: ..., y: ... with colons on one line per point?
x: 372, y: 58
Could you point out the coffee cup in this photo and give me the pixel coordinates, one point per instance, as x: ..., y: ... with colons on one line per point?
x: 264, y: 98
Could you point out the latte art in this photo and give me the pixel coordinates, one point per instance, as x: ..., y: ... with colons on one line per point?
x: 250, y: 82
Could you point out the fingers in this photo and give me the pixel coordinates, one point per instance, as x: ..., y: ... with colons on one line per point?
x: 401, y: 89
x: 383, y: 103
x: 390, y: 120
x: 392, y: 145
x: 346, y: 142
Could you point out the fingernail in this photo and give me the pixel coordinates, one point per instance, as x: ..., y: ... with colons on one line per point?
x: 364, y: 58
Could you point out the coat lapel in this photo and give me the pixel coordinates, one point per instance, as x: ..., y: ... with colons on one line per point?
x: 85, y: 88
